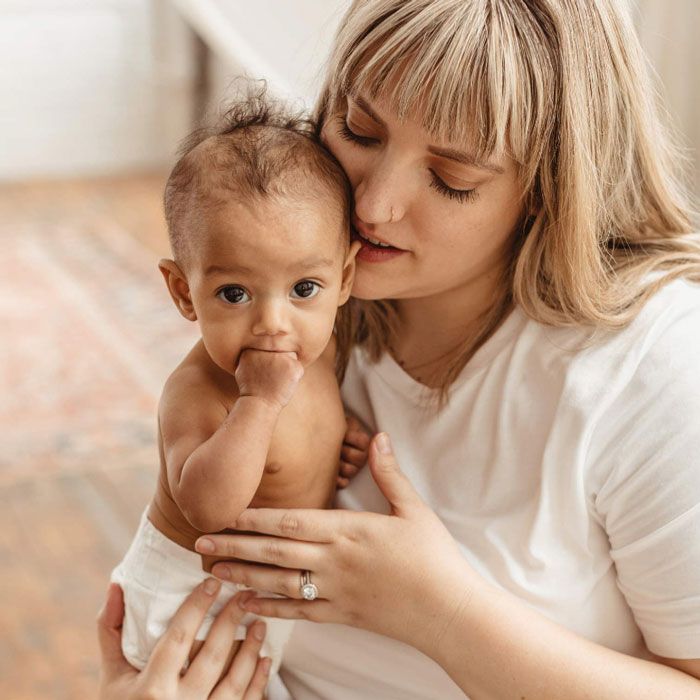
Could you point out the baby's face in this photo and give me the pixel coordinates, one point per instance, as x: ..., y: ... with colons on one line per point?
x: 269, y: 276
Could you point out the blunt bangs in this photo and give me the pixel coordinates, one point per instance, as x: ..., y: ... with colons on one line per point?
x: 463, y: 69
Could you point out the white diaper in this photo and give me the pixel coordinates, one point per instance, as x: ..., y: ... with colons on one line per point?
x: 156, y: 575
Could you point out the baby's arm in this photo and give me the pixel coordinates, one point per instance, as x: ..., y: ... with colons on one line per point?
x: 215, y: 461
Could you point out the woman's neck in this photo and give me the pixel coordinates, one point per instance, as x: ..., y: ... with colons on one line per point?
x: 432, y: 330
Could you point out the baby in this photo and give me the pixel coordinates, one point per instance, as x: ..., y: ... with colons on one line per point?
x: 259, y: 222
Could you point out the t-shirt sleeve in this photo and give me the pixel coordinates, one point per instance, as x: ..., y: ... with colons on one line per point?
x: 647, y: 451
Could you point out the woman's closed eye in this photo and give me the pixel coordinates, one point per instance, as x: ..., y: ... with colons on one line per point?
x: 437, y: 183
x: 348, y: 134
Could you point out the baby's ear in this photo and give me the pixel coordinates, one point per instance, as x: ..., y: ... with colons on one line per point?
x: 348, y: 272
x: 178, y: 287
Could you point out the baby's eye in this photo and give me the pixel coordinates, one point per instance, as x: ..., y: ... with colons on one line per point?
x: 305, y: 289
x: 233, y: 294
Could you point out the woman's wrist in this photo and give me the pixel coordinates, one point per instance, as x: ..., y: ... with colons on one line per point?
x: 445, y: 606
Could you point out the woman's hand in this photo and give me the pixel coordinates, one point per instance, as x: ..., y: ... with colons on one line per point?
x: 401, y: 575
x: 246, y: 679
x: 355, y: 450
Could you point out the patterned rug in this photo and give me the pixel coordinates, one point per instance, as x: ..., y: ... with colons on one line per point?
x: 88, y: 335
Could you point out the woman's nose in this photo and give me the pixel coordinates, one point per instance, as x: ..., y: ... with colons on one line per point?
x: 270, y: 318
x: 381, y: 194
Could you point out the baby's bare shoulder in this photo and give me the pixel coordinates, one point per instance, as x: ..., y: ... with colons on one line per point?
x: 194, y: 387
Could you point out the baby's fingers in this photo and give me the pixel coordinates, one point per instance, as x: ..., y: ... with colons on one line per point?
x: 353, y: 456
x: 348, y: 470
x: 247, y: 677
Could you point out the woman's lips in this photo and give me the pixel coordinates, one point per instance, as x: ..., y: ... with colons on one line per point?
x: 369, y: 252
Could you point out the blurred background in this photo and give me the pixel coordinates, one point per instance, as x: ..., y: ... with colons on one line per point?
x: 94, y: 98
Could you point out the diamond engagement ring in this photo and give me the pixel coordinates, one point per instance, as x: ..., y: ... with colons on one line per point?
x: 307, y: 589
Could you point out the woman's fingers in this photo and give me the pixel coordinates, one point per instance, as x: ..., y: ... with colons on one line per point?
x: 173, y: 648
x: 207, y: 667
x: 296, y: 524
x: 265, y: 550
x: 247, y: 676
x: 318, y: 610
x: 109, y: 635
x: 286, y: 582
x: 392, y: 482
x: 256, y: 688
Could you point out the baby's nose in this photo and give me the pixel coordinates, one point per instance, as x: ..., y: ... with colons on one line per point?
x: 271, y: 319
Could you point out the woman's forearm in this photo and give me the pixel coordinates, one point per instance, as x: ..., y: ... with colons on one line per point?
x: 496, y: 647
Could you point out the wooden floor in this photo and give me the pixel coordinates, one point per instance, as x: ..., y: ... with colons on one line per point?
x: 61, y: 532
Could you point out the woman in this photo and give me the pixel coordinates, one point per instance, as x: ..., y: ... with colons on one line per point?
x: 527, y: 319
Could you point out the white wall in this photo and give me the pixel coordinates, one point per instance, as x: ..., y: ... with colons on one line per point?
x: 670, y: 32
x: 98, y: 86
x: 90, y: 86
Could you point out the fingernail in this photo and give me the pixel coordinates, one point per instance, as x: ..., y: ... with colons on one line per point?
x: 384, y: 444
x: 204, y: 545
x: 259, y: 630
x: 266, y: 665
x: 221, y: 571
x: 211, y: 586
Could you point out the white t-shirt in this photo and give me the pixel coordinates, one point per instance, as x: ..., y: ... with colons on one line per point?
x: 566, y: 466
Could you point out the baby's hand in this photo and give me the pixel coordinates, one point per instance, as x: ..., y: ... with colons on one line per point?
x: 272, y: 376
x: 353, y: 455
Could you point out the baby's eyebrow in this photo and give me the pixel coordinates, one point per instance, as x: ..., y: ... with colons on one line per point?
x: 214, y: 269
x: 312, y: 262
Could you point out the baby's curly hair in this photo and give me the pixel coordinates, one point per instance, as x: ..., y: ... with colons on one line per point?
x: 258, y: 149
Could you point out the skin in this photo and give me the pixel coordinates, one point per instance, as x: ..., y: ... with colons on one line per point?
x: 263, y: 283
x: 266, y: 346
x: 455, y: 251
x: 245, y: 679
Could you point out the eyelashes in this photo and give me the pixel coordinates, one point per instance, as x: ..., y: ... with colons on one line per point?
x: 436, y: 183
x: 458, y: 195
x: 351, y: 136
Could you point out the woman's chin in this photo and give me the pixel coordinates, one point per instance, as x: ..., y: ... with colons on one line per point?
x: 370, y: 286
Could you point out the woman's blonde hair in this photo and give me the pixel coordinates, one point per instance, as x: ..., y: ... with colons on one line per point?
x: 562, y: 87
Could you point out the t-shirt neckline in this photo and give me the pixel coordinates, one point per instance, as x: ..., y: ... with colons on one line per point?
x: 393, y: 374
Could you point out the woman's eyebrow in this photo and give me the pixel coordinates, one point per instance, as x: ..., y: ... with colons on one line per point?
x: 450, y: 153
x: 465, y: 158
x: 364, y: 106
